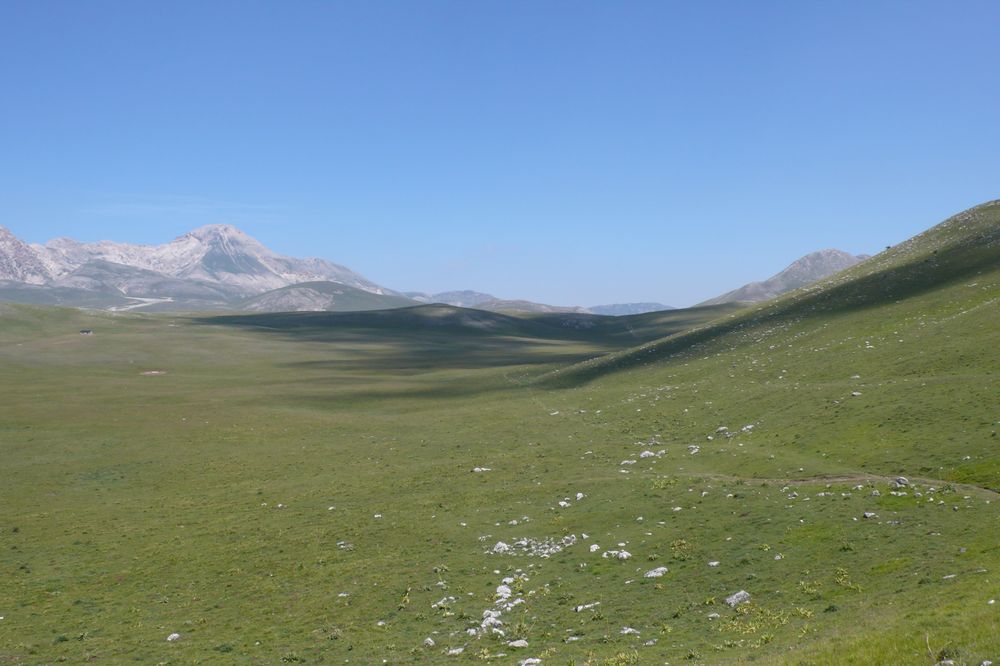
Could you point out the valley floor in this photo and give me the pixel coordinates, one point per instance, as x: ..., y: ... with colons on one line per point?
x: 283, y: 494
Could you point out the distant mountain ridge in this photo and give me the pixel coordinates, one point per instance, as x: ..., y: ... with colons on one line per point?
x: 623, y: 309
x: 213, y: 267
x: 463, y: 299
x: 803, y: 271
x: 218, y: 254
x: 483, y: 301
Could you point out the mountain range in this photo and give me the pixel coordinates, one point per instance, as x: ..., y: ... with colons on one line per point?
x: 804, y: 271
x: 219, y: 267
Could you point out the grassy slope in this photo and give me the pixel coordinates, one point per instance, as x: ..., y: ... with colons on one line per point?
x: 345, y: 298
x: 147, y: 504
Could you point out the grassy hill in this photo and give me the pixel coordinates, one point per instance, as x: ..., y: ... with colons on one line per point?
x: 303, y: 488
x: 321, y: 296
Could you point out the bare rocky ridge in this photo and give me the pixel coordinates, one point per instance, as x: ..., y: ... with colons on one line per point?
x: 218, y: 254
x: 18, y: 261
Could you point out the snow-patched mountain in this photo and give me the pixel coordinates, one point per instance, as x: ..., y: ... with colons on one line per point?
x: 104, y: 276
x: 218, y: 254
x: 18, y: 261
x: 803, y: 271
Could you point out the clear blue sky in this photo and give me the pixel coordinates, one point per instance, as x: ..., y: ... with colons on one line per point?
x: 567, y: 152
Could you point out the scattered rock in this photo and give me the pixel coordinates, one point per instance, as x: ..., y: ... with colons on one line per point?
x: 740, y: 597
x: 655, y: 573
x: 429, y: 642
x: 173, y: 637
x: 519, y: 643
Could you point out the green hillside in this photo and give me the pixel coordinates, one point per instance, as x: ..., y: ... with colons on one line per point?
x: 341, y: 487
x: 322, y: 296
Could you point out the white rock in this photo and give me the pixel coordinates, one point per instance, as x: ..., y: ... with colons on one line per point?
x: 655, y: 573
x: 629, y: 631
x: 531, y: 661
x: 579, y: 496
x: 519, y: 643
x: 740, y: 597
x: 429, y: 642
x: 173, y: 637
x: 500, y: 548
x: 713, y: 563
x: 455, y: 651
x: 594, y: 548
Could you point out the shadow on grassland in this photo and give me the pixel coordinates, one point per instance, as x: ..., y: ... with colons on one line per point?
x: 415, y: 340
x: 440, y: 337
x: 892, y: 277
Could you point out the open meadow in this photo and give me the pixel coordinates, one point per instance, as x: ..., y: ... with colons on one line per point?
x: 440, y: 485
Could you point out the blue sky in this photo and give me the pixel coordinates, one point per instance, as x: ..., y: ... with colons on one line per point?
x: 567, y: 152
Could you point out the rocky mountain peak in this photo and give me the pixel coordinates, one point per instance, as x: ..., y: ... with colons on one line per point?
x: 19, y: 262
x: 801, y: 272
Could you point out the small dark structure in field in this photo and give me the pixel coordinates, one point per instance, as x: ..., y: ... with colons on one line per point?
x: 87, y: 331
